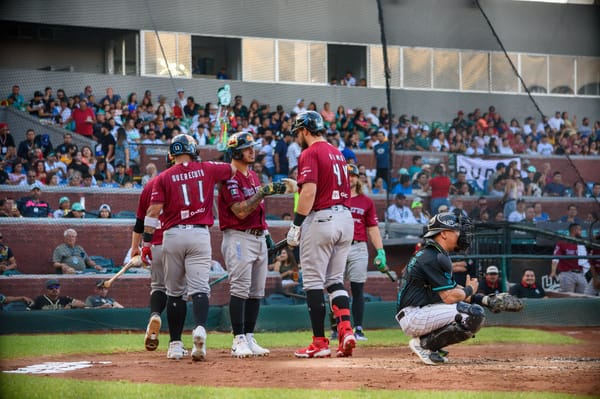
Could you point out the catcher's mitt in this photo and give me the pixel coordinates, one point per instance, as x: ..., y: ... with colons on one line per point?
x: 503, y: 302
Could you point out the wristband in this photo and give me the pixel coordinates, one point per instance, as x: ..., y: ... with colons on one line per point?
x: 298, y: 219
x: 151, y: 222
x: 147, y: 237
x: 468, y: 291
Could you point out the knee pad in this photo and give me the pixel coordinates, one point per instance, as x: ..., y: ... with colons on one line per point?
x: 475, y: 319
x: 447, y: 335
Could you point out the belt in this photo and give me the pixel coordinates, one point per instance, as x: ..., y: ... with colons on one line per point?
x: 191, y: 226
x: 356, y: 242
x: 575, y: 271
x: 254, y: 232
x: 335, y: 208
x: 400, y: 315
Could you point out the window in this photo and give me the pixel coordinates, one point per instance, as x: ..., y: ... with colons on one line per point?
x: 377, y: 69
x: 302, y: 62
x: 562, y: 74
x: 177, y: 56
x: 445, y: 70
x: 534, y: 70
x: 503, y: 77
x: 417, y: 67
x: 475, y: 67
x: 588, y: 76
x: 258, y: 56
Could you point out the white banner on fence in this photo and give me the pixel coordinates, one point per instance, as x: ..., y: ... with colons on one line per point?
x: 479, y: 169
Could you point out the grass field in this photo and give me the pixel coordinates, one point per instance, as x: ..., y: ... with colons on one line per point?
x: 30, y: 346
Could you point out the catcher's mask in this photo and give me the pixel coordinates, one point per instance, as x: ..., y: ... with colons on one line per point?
x: 237, y: 142
x: 452, y: 221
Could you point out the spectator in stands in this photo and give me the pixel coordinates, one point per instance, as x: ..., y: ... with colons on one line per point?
x: 545, y: 147
x: 381, y: 153
x: 579, y: 190
x: 69, y: 258
x: 398, y: 212
x: 458, y: 186
x: 595, y: 190
x: 8, y: 262
x: 420, y: 186
x: 440, y: 188
x: 481, y: 207
x: 121, y: 177
x: 52, y: 299
x: 490, y: 283
x: 26, y: 146
x: 6, y: 140
x: 285, y: 264
x: 513, y: 190
x: 75, y: 180
x: 571, y: 216
x: 417, y: 211
x: 100, y: 299
x: 280, y: 159
x: 84, y: 119
x: 519, y: 213
x: 36, y: 105
x: 103, y: 172
x: 529, y: 215
x: 379, y: 186
x: 64, y: 206
x: 417, y: 163
x: 77, y: 165
x: 571, y: 271
x: 540, y: 215
x: 527, y: 288
x: 65, y: 147
x: 32, y: 206
x: 54, y: 166
x: 8, y: 208
x: 151, y: 171
x: 404, y: 185
x: 348, y: 79
x: 104, y: 212
x: 328, y: 115
x: 15, y: 98
x: 112, y: 98
x: 499, y: 216
x: 6, y: 300
x: 77, y: 211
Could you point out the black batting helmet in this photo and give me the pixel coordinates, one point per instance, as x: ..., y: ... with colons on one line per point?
x: 311, y: 121
x: 237, y: 142
x: 183, y: 144
x: 353, y: 169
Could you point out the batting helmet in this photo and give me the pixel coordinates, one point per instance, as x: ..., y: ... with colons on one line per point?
x: 311, y: 121
x: 237, y: 142
x: 183, y: 144
x: 353, y: 169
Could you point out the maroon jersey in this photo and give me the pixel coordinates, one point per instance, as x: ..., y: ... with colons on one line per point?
x: 237, y: 189
x: 187, y: 192
x: 566, y: 248
x: 364, y: 215
x: 143, y: 206
x: 324, y: 165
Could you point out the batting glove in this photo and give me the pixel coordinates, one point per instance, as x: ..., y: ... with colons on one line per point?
x: 293, y: 236
x: 147, y: 253
x: 273, y: 188
x: 290, y: 185
x: 380, y: 261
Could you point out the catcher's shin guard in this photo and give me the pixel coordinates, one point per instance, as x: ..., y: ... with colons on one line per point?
x: 447, y: 335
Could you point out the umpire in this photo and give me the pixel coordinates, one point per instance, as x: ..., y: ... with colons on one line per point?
x: 323, y: 227
x: 245, y: 240
x: 431, y: 305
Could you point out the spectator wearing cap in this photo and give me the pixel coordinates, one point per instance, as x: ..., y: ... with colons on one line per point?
x: 36, y: 104
x: 64, y: 206
x: 398, y: 212
x: 52, y: 300
x: 417, y: 212
x: 100, y: 299
x: 104, y: 212
x: 527, y: 287
x: 33, y: 206
x: 404, y: 185
x: 299, y: 107
x: 77, y: 211
x: 70, y: 258
x: 490, y: 284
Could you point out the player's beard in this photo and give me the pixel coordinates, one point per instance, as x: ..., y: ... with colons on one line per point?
x: 303, y: 143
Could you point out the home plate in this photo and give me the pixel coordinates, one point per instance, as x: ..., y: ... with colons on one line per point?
x: 54, y: 367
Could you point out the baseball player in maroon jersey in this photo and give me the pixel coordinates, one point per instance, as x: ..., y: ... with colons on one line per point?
x: 571, y: 271
x: 158, y: 291
x: 184, y: 193
x: 244, y: 247
x: 323, y: 227
x: 366, y: 225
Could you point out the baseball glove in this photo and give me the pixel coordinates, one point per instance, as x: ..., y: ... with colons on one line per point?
x: 503, y: 302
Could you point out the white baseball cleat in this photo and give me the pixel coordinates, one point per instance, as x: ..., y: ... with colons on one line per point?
x: 256, y: 349
x: 199, y: 349
x: 152, y: 331
x: 239, y: 347
x: 424, y: 354
x: 176, y: 350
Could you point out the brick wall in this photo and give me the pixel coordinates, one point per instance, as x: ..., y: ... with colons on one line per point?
x: 133, y: 290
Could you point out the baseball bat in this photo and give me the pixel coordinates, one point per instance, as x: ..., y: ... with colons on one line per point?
x: 136, y: 261
x: 217, y: 281
x: 393, y: 280
x: 278, y: 247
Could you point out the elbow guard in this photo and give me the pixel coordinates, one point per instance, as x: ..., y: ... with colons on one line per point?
x: 139, y: 226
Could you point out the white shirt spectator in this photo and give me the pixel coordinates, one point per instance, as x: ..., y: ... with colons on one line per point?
x: 293, y: 153
x: 545, y: 148
x: 373, y: 118
x: 555, y: 122
x: 400, y: 215
x: 516, y: 216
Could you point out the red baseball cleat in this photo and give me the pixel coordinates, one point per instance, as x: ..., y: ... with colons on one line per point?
x: 318, y: 348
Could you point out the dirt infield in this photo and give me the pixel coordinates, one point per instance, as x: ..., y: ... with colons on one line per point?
x: 573, y: 369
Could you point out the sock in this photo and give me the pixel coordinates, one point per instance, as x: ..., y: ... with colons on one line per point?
x: 158, y: 302
x: 236, y: 314
x: 316, y: 310
x: 251, y: 314
x: 200, y: 308
x: 358, y: 302
x: 176, y: 312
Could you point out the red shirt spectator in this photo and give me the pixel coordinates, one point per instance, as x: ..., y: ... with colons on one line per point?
x: 84, y: 119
